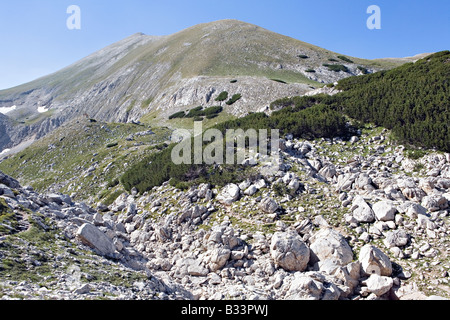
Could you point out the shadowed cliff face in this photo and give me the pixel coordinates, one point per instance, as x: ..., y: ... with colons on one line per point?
x: 4, y: 136
x: 143, y: 74
x: 12, y: 133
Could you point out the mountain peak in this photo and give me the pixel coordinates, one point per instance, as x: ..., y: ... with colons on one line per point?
x: 224, y: 22
x: 136, y: 35
x: 178, y: 71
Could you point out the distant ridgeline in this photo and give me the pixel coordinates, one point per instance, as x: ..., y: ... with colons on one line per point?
x: 412, y: 100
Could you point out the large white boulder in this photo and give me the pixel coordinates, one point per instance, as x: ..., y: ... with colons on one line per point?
x: 229, y: 194
x: 362, y: 212
x: 330, y: 244
x: 384, y: 211
x: 379, y: 285
x: 97, y: 240
x: 374, y: 261
x: 289, y: 251
x: 268, y: 205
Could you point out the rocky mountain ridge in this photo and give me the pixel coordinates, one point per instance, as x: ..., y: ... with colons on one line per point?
x: 159, y: 75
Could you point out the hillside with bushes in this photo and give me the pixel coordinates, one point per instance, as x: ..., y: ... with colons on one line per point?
x: 411, y: 100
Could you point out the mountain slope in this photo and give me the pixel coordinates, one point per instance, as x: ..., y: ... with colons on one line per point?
x: 143, y: 74
x: 411, y: 100
x: 84, y: 158
x: 363, y: 219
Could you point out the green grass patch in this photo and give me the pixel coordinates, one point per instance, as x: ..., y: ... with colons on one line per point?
x: 234, y: 99
x: 222, y: 96
x: 344, y: 58
x: 110, y: 197
x: 76, y: 147
x: 177, y: 115
x: 336, y: 67
x: 414, y: 153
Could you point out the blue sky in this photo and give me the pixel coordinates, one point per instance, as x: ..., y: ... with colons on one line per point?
x: 35, y: 40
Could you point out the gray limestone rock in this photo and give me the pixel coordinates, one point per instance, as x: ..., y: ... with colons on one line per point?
x: 374, y: 261
x: 362, y: 211
x: 329, y: 244
x: 219, y: 258
x: 384, y: 211
x: 8, y: 181
x: 229, y: 194
x: 268, y: 205
x: 396, y: 238
x: 96, y: 239
x: 379, y: 285
x: 288, y: 250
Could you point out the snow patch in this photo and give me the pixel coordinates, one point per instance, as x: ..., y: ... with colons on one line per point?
x: 42, y: 109
x: 5, y: 110
x: 5, y: 151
